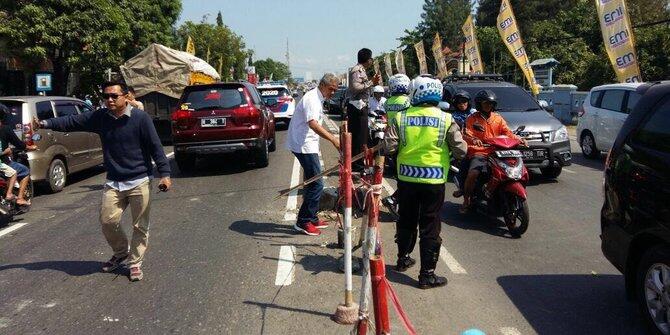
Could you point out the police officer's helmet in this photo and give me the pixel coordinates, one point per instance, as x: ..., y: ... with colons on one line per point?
x: 425, y: 90
x: 399, y: 84
x: 485, y: 95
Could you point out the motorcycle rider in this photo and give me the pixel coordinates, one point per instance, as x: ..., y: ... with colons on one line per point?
x: 425, y: 138
x: 398, y: 102
x: 460, y: 112
x: 484, y: 123
x: 377, y: 100
x: 7, y: 136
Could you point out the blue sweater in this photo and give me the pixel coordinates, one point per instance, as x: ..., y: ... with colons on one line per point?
x: 128, y: 143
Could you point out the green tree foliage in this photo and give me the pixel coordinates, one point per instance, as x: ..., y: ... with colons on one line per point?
x: 221, y: 42
x: 219, y: 20
x: 267, y: 67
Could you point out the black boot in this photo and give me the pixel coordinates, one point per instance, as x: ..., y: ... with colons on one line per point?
x: 404, y: 263
x: 430, y: 280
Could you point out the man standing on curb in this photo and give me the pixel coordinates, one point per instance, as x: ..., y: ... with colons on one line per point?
x: 129, y: 142
x: 303, y: 140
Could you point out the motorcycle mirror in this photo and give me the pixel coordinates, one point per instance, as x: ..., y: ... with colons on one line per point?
x: 521, y: 128
x: 36, y: 137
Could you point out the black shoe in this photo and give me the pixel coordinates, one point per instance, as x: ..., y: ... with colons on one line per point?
x: 404, y: 263
x: 391, y: 204
x: 427, y: 281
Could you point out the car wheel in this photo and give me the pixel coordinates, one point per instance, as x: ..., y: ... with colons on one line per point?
x: 551, y: 172
x: 588, y: 145
x: 653, y: 288
x: 262, y: 157
x: 273, y: 145
x: 185, y: 162
x: 56, y: 175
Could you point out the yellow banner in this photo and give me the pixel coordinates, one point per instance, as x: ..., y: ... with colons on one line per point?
x: 376, y: 66
x: 472, y: 46
x: 421, y: 55
x: 399, y: 61
x: 512, y: 38
x: 387, y: 65
x: 190, y: 46
x: 439, y: 56
x: 619, y: 40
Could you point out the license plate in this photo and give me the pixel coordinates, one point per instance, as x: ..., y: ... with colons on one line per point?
x: 213, y: 122
x: 534, y: 154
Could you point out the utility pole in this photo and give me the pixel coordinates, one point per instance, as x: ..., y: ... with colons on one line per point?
x: 288, y: 61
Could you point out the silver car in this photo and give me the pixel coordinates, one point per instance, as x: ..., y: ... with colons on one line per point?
x: 58, y: 154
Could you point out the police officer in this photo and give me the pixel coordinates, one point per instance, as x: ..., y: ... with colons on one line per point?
x: 425, y: 139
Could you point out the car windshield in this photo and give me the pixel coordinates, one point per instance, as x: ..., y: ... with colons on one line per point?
x: 510, y: 99
x: 215, y: 98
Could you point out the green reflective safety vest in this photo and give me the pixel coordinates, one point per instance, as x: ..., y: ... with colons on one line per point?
x: 423, y: 152
x: 395, y: 104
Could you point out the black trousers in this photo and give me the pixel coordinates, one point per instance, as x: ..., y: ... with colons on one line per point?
x: 358, y: 126
x: 420, y: 205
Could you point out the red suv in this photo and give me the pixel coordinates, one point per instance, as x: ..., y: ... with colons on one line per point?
x: 222, y: 118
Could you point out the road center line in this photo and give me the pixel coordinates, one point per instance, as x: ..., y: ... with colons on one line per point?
x: 285, y: 266
x: 12, y: 228
x: 451, y: 262
x: 292, y: 200
x: 510, y: 331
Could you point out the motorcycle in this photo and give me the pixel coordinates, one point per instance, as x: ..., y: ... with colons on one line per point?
x: 501, y: 191
x: 8, y: 209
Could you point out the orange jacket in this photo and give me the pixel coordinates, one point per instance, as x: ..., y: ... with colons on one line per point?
x: 494, y: 126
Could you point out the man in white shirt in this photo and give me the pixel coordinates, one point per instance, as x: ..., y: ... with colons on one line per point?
x: 304, y: 132
x: 377, y: 100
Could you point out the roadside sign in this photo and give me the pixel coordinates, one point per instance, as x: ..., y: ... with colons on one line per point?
x: 43, y: 82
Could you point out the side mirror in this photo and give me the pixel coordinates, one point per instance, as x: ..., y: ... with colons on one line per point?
x: 36, y: 137
x: 543, y: 103
x: 520, y: 129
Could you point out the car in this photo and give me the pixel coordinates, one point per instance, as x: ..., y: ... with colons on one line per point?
x: 222, y: 118
x: 635, y: 216
x: 548, y: 141
x: 334, y: 105
x: 59, y: 154
x: 602, y: 114
x: 280, y: 100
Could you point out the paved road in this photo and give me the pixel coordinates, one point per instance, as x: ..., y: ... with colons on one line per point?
x: 223, y: 260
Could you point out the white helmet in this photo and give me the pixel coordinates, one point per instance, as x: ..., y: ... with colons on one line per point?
x: 377, y: 89
x: 399, y: 84
x: 425, y: 90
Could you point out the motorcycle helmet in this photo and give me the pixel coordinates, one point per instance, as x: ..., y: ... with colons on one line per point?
x: 377, y: 89
x: 399, y: 84
x: 460, y: 96
x: 425, y: 90
x: 485, y: 95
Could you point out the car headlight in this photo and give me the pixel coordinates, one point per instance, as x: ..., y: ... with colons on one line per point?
x: 561, y: 134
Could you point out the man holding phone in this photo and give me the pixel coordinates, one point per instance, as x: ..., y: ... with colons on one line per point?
x: 129, y: 142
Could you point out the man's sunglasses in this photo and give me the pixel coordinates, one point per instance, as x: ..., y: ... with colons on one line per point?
x: 111, y: 95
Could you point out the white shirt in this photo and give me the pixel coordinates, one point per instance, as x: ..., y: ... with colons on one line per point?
x: 301, y: 138
x: 376, y: 105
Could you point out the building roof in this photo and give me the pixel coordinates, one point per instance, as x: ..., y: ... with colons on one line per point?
x: 545, y: 62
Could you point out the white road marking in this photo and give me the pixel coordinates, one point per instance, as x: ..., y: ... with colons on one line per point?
x: 4, y: 322
x: 569, y: 171
x: 23, y: 304
x: 451, y: 262
x: 285, y: 266
x: 510, y: 331
x: 169, y: 155
x: 12, y: 228
x: 292, y: 201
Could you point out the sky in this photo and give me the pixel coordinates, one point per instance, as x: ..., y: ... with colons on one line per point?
x: 324, y: 35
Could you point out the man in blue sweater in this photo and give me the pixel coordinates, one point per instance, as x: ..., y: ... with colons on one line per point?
x: 129, y: 142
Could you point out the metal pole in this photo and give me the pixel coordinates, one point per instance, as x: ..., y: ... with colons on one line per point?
x: 347, y: 184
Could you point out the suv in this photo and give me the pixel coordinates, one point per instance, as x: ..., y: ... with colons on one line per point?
x: 635, y: 217
x: 280, y: 101
x: 548, y: 142
x: 603, y: 113
x: 222, y: 118
x: 58, y: 154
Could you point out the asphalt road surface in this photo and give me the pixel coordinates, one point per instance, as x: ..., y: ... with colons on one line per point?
x: 223, y: 260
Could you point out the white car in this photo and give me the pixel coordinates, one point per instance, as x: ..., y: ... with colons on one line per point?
x: 280, y: 101
x: 604, y: 111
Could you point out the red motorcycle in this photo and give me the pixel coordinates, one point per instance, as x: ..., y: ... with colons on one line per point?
x: 501, y: 191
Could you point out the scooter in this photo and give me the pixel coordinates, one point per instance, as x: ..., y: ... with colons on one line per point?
x: 501, y: 191
x: 8, y: 209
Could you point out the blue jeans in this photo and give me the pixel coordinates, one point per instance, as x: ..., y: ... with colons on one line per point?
x: 312, y: 192
x: 21, y: 170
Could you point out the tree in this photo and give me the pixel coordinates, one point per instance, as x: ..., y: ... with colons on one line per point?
x: 269, y: 67
x: 150, y: 22
x: 219, y: 20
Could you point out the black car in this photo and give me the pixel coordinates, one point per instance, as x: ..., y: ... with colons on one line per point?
x: 548, y: 141
x: 635, y: 217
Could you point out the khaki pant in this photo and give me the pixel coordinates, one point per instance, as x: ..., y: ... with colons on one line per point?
x: 114, y: 202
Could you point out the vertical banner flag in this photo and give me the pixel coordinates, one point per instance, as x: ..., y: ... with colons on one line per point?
x: 472, y: 46
x: 190, y: 46
x: 399, y: 61
x: 618, y: 38
x: 439, y: 56
x: 512, y: 38
x: 421, y: 55
x: 387, y: 65
x: 376, y: 67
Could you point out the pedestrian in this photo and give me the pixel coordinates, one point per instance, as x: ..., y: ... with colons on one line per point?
x: 358, y: 93
x: 129, y: 142
x: 132, y: 101
x: 425, y: 138
x: 303, y: 140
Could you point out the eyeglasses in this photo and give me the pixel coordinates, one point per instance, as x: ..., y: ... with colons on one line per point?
x: 111, y: 95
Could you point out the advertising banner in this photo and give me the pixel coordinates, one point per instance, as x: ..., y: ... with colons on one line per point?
x: 421, y: 56
x: 439, y: 56
x: 618, y: 38
x: 472, y: 46
x: 387, y: 65
x: 509, y: 31
x: 399, y: 61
